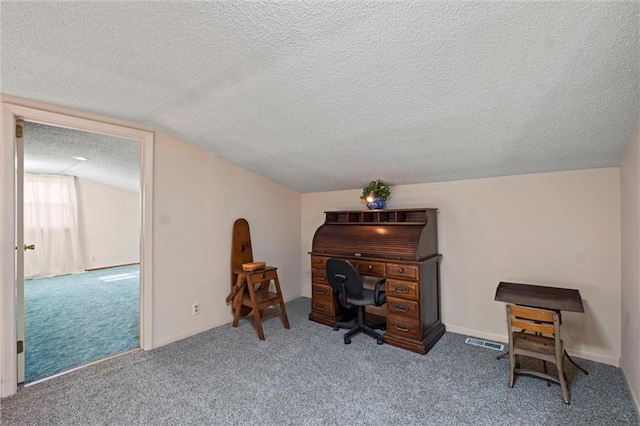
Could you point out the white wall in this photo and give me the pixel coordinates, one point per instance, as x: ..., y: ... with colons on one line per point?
x: 630, y: 305
x: 556, y: 229
x: 197, y: 198
x: 109, y: 222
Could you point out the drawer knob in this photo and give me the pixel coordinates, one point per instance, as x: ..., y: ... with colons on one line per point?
x: 321, y: 291
x: 264, y: 276
x: 401, y: 289
x: 320, y: 307
x: 402, y: 328
x: 401, y: 270
x: 370, y: 267
x: 401, y: 308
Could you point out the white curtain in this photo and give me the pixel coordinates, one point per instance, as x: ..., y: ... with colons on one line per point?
x: 51, y: 223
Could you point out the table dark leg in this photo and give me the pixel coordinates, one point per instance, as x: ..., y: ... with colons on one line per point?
x: 574, y: 363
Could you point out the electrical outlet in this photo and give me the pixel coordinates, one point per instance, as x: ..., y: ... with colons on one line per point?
x: 93, y: 257
x: 195, y: 308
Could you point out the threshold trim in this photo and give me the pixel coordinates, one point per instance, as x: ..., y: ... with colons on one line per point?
x: 95, y: 268
x: 62, y: 373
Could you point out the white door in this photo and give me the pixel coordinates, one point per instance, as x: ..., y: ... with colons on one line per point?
x: 20, y: 248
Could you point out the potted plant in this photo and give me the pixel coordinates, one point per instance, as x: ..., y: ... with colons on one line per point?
x: 375, y: 194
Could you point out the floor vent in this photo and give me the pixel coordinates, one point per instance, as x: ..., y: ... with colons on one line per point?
x: 485, y: 344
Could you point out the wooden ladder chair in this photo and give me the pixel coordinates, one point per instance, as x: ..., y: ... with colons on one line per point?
x: 252, y: 290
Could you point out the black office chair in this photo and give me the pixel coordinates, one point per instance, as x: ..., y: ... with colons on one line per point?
x: 345, y: 280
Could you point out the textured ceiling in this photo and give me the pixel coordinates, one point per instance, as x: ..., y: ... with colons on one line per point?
x: 329, y: 95
x: 110, y: 160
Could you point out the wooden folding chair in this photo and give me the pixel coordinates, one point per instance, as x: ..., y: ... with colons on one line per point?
x: 535, y: 333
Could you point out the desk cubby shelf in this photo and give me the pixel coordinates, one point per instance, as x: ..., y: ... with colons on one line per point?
x: 400, y: 216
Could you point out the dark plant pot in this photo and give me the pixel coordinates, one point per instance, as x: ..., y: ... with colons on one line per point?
x: 377, y: 204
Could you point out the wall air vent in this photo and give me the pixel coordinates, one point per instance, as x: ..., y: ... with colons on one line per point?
x: 485, y: 344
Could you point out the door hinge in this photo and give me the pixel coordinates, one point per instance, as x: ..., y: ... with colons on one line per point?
x: 20, y: 346
x: 19, y: 131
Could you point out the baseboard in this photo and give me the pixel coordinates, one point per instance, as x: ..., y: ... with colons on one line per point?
x: 504, y: 339
x: 95, y: 268
x: 287, y: 300
x: 633, y: 395
x: 188, y: 333
x: 201, y: 329
x: 476, y: 333
x: 615, y: 361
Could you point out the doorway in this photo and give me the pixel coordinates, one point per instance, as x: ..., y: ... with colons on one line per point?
x: 81, y: 222
x: 13, y: 111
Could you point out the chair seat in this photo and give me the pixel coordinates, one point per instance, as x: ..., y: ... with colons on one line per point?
x: 366, y: 298
x: 533, y: 343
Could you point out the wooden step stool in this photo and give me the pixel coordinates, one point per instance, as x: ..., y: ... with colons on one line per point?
x: 245, y: 293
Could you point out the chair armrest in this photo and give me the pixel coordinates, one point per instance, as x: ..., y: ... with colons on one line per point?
x: 377, y: 292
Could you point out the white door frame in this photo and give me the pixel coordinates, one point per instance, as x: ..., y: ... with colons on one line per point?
x: 11, y: 111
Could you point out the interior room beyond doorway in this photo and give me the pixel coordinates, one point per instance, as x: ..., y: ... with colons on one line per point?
x: 82, y: 218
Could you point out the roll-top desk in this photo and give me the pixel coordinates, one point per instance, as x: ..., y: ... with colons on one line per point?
x: 399, y: 245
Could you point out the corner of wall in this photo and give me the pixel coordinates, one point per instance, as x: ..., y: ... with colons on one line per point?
x: 634, y: 397
x: 630, y: 271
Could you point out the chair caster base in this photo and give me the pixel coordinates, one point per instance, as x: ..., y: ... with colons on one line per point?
x: 347, y: 341
x: 380, y: 341
x: 335, y: 328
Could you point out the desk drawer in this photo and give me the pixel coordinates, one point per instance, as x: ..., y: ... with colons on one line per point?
x: 321, y: 292
x: 402, y: 271
x: 319, y: 262
x: 402, y: 289
x: 407, y: 309
x: 319, y: 275
x: 323, y: 306
x: 375, y: 269
x: 402, y: 327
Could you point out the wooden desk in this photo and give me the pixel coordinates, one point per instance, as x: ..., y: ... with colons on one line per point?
x: 398, y: 245
x: 542, y: 297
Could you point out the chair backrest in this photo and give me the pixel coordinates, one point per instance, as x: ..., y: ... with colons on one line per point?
x: 342, y: 275
x: 533, y: 320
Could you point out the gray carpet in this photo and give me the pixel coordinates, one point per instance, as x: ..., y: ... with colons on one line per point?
x: 306, y: 375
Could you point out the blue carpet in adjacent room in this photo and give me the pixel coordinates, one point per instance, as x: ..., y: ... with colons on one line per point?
x: 71, y: 320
